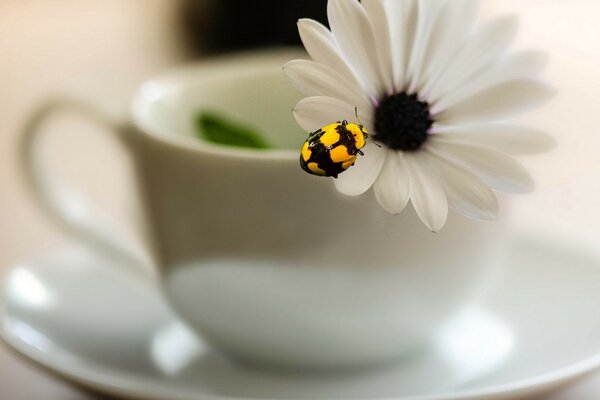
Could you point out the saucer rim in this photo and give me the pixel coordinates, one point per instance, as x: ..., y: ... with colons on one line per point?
x: 96, y: 378
x: 103, y: 381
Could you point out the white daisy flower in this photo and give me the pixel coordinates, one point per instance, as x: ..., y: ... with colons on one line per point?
x: 433, y: 91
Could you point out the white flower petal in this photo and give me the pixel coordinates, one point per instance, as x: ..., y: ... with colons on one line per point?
x: 392, y: 188
x: 321, y: 47
x: 466, y: 193
x: 313, y: 113
x: 522, y: 65
x: 485, y: 47
x: 497, y: 102
x: 428, y: 14
x: 359, y: 178
x: 455, y: 24
x: 314, y: 79
x: 381, y: 33
x: 427, y: 195
x: 496, y: 169
x: 402, y: 21
x: 354, y: 36
x: 507, y: 138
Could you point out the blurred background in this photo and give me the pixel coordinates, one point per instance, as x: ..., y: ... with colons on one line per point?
x: 106, y: 48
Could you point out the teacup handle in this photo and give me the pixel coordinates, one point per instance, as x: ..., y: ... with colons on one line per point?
x: 63, y: 203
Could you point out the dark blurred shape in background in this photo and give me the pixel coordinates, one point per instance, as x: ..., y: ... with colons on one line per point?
x: 216, y: 26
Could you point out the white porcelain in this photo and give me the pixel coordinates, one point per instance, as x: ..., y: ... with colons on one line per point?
x: 77, y: 314
x: 266, y: 262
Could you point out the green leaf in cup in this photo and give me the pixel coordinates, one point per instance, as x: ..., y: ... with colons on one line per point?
x: 215, y: 128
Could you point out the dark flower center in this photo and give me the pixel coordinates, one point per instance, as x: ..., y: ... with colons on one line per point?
x: 402, y: 122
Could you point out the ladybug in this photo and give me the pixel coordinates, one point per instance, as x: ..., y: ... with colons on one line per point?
x: 333, y: 149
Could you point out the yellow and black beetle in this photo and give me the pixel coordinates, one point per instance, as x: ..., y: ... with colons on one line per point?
x: 333, y: 149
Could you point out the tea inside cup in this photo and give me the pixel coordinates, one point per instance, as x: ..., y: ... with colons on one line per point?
x: 248, y: 90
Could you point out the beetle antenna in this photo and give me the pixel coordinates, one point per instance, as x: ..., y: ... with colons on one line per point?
x: 356, y: 113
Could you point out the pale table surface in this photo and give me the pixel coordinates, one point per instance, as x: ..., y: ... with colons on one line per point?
x: 107, y: 47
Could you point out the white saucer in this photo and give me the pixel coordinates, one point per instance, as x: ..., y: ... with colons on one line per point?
x: 81, y: 316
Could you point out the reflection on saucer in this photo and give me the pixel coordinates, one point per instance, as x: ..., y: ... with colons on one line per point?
x: 475, y: 344
x: 26, y: 289
x: 27, y: 334
x: 174, y: 347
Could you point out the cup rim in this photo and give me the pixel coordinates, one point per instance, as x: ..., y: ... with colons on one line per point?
x: 152, y: 88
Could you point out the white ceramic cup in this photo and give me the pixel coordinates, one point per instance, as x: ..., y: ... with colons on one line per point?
x: 269, y: 264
